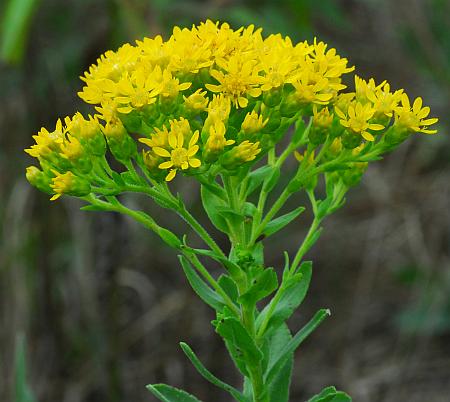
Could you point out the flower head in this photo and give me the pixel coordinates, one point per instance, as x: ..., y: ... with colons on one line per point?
x: 413, y: 117
x: 357, y: 120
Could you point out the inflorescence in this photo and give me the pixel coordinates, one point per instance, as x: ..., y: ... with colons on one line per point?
x: 211, y: 100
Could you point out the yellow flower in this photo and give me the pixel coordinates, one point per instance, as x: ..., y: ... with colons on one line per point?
x: 246, y: 151
x: 253, y: 123
x: 135, y: 91
x: 322, y: 118
x: 68, y: 183
x: 310, y: 90
x: 241, y: 79
x: 180, y: 157
x: 357, y: 120
x: 169, y: 86
x: 47, y: 142
x: 197, y: 102
x: 71, y: 148
x: 383, y: 100
x: 414, y: 118
x: 216, y: 141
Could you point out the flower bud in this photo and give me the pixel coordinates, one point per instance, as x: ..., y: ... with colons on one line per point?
x: 246, y: 151
x: 39, y: 179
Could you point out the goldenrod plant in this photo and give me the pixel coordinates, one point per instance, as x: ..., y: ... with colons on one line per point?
x: 227, y: 108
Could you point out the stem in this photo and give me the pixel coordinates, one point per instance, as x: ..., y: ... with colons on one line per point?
x: 306, y: 245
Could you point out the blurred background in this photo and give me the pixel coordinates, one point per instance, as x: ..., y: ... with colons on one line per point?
x: 92, y: 306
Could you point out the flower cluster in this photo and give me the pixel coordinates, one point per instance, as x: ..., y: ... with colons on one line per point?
x: 211, y: 100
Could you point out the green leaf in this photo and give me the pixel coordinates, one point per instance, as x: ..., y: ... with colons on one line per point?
x: 294, y: 292
x: 166, y: 393
x: 279, y: 387
x: 294, y: 343
x: 262, y: 286
x: 272, y: 180
x: 229, y: 286
x: 211, y: 202
x: 257, y: 177
x: 330, y: 394
x: 15, y: 25
x: 169, y: 238
x: 230, y: 266
x: 230, y: 214
x: 240, y: 344
x: 205, y: 373
x: 280, y: 222
x: 208, y: 295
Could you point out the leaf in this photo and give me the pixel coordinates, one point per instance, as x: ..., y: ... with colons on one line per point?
x: 169, y: 238
x: 230, y: 266
x: 263, y: 285
x: 228, y: 285
x: 330, y: 394
x: 230, y: 214
x: 294, y: 343
x: 257, y: 177
x: 208, y: 295
x: 211, y: 202
x: 279, y: 387
x: 166, y: 393
x: 295, y: 289
x: 240, y: 344
x: 279, y: 223
x: 272, y: 180
x: 205, y: 373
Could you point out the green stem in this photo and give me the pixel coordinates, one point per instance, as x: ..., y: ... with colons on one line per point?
x: 306, y: 245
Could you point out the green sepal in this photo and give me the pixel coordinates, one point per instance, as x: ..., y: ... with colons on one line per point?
x: 208, y: 295
x: 331, y: 394
x: 166, y: 393
x: 211, y: 203
x: 205, y: 373
x: 240, y: 344
x: 257, y: 177
x: 293, y: 344
x: 262, y: 286
x: 279, y: 223
x: 294, y: 292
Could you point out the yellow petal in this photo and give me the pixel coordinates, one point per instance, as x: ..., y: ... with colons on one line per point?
x: 171, y: 175
x: 195, y: 163
x: 161, y: 152
x: 376, y: 127
x: 166, y: 165
x: 367, y: 136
